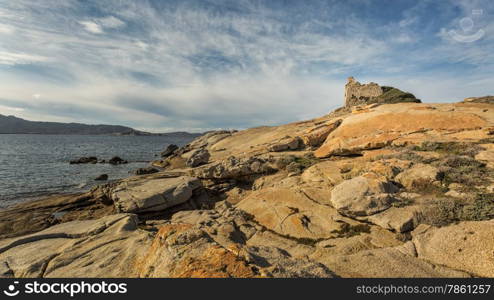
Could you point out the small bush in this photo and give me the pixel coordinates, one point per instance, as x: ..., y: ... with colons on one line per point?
x: 451, y: 148
x: 452, y: 210
x: 463, y: 170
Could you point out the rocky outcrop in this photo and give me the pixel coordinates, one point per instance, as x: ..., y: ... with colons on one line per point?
x: 170, y: 149
x: 377, y: 189
x: 148, y: 195
x: 234, y: 168
x: 197, y: 157
x: 106, y: 247
x: 401, y: 125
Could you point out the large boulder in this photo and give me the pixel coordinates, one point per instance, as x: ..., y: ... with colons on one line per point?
x: 105, y: 247
x: 148, y: 195
x: 466, y: 246
x: 363, y: 195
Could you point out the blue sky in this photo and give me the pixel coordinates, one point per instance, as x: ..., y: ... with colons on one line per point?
x: 210, y: 64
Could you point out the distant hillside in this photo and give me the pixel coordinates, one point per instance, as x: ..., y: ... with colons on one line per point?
x: 14, y: 125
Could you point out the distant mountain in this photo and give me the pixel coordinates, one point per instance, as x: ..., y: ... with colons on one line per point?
x: 14, y: 125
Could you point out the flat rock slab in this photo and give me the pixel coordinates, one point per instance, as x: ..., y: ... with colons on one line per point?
x: 290, y: 212
x: 467, y: 246
x: 106, y: 247
x: 148, y: 195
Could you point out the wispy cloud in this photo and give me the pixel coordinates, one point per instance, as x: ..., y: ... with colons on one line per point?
x: 198, y: 65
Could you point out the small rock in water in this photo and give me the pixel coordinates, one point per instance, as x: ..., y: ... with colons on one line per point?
x: 102, y: 177
x: 117, y: 161
x: 84, y: 160
x: 144, y: 171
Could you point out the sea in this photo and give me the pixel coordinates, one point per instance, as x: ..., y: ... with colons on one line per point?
x: 33, y: 166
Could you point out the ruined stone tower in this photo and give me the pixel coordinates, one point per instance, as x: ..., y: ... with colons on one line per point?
x: 357, y: 93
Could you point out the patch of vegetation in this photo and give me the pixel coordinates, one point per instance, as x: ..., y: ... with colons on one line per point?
x: 452, y: 210
x: 407, y: 154
x: 464, y: 170
x: 348, y: 230
x: 307, y: 160
x: 301, y: 162
x: 402, y: 202
x: 394, y: 95
x: 451, y: 148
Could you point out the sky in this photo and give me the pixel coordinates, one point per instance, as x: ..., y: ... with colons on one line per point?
x: 201, y: 65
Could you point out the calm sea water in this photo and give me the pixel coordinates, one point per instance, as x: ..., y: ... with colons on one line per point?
x: 36, y: 165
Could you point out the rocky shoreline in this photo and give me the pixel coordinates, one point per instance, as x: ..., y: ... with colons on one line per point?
x: 378, y: 188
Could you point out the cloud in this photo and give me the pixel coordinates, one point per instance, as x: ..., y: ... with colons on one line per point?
x: 9, y: 58
x: 199, y: 65
x: 91, y: 27
x: 98, y: 25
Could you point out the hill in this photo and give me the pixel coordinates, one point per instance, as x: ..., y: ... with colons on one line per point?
x: 15, y: 125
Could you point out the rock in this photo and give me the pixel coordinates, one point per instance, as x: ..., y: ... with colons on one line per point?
x: 486, y: 156
x: 418, y: 177
x: 393, y: 262
x: 289, y: 212
x: 464, y: 246
x: 85, y: 160
x: 28, y: 217
x: 106, y: 247
x: 148, y: 195
x: 232, y: 168
x: 385, y: 124
x: 169, y: 150
x: 363, y: 195
x: 102, y: 177
x: 182, y: 251
x: 198, y: 157
x: 145, y: 171
x: 185, y: 251
x: 397, y: 219
x: 314, y: 137
x: 328, y: 172
x: 286, y: 144
x: 117, y: 161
